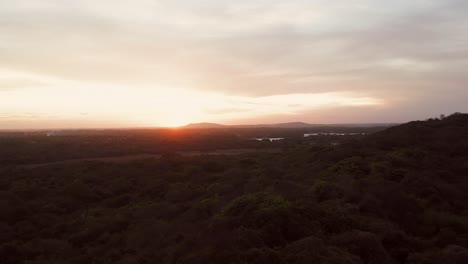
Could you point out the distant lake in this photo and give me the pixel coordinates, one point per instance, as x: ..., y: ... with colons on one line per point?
x: 334, y: 134
x: 270, y: 139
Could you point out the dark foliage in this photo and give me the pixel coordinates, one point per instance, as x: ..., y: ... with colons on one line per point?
x: 398, y: 196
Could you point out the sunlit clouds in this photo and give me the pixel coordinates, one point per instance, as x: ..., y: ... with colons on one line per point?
x: 105, y: 63
x: 151, y: 106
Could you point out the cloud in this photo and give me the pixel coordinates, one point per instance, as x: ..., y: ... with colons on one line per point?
x: 12, y: 80
x: 148, y: 106
x: 395, y: 51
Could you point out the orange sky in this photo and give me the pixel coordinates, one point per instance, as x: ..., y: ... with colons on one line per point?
x: 90, y: 64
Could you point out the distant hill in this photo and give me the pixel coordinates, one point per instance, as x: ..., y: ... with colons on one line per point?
x: 284, y: 125
x: 447, y: 134
x: 204, y: 125
x: 279, y: 125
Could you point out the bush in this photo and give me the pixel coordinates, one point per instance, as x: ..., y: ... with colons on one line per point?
x: 363, y: 244
x: 323, y: 191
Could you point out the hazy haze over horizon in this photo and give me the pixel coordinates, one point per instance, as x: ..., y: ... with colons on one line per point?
x: 78, y: 64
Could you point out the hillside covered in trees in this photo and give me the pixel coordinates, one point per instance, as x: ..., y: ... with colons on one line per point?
x: 396, y: 196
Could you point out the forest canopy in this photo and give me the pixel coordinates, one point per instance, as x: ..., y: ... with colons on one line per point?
x: 395, y: 196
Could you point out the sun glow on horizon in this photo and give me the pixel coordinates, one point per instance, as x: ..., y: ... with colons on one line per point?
x: 87, y: 103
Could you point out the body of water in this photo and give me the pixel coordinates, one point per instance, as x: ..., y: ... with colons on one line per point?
x: 334, y: 134
x: 270, y: 139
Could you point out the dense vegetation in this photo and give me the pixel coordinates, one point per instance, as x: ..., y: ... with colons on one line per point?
x: 37, y: 147
x: 397, y: 196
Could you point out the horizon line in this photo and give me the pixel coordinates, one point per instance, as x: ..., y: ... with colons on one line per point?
x: 197, y: 123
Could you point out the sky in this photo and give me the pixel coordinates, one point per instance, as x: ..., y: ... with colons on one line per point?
x: 143, y: 63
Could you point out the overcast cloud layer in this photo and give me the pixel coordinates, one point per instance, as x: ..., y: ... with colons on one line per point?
x: 93, y: 63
